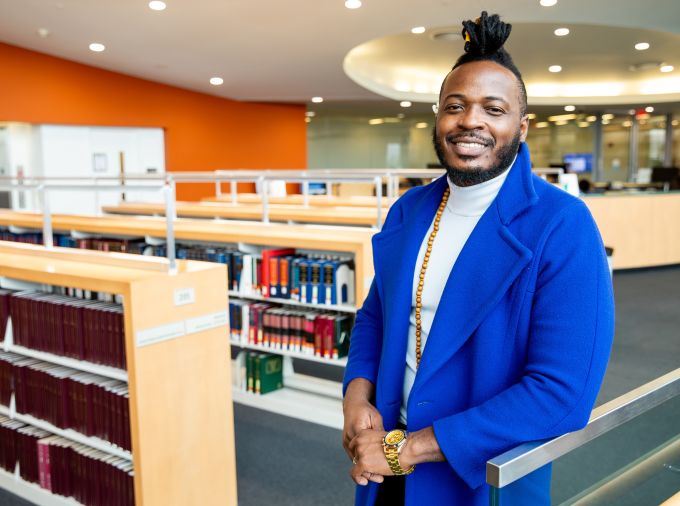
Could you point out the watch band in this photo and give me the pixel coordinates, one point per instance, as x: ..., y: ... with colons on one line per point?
x: 393, y: 442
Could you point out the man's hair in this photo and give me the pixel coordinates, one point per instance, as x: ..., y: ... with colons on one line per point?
x: 484, y: 39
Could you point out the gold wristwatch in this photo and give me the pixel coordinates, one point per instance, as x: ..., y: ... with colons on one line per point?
x: 393, y: 442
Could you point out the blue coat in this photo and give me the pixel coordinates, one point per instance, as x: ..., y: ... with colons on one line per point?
x: 519, y: 343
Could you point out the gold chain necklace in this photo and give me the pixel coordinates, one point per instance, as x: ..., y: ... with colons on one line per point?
x: 423, y: 268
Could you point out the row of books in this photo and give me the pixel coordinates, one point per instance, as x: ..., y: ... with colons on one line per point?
x: 307, y: 332
x: 69, y: 399
x: 65, y: 468
x: 261, y: 373
x: 83, y: 329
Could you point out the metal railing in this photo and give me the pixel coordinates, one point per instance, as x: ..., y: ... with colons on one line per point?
x: 522, y: 460
x: 43, y: 188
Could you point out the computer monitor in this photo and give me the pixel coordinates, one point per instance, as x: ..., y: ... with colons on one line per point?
x: 579, y: 162
x: 664, y: 175
x: 317, y: 188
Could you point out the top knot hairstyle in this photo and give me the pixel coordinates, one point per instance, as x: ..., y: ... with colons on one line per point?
x: 484, y: 40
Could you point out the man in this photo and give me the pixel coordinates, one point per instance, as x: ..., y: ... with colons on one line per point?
x: 488, y: 329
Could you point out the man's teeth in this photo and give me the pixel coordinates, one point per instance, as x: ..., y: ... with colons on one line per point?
x: 470, y: 144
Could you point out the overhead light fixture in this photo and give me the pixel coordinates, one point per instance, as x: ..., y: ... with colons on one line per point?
x: 607, y: 117
x: 561, y: 122
x: 675, y: 122
x: 548, y: 3
x: 554, y: 69
x: 97, y: 47
x: 631, y: 111
x: 562, y: 117
x: 157, y: 5
x: 627, y: 124
x: 421, y: 125
x: 583, y: 124
x: 541, y: 124
x: 591, y: 118
x: 216, y: 81
x: 43, y: 33
x: 569, y: 108
x: 317, y: 100
x: 531, y: 115
x: 310, y: 114
x: 649, y: 109
x: 401, y: 115
x: 605, y: 121
x: 667, y: 68
x: 418, y: 30
x: 353, y: 4
x: 376, y: 121
x: 405, y: 103
x: 561, y: 32
x: 641, y: 46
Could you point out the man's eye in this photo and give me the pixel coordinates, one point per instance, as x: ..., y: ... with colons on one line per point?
x: 495, y: 110
x: 454, y: 107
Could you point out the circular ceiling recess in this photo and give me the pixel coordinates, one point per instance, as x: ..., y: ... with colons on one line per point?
x: 600, y: 65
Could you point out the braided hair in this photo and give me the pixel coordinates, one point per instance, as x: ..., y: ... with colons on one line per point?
x: 484, y: 39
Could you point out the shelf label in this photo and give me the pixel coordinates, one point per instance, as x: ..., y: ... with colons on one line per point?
x: 206, y: 322
x: 184, y: 296
x: 161, y: 333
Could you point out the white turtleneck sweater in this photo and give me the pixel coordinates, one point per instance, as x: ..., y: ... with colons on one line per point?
x: 465, y: 207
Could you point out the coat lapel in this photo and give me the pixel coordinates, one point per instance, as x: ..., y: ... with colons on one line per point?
x: 488, y: 264
x: 396, y: 252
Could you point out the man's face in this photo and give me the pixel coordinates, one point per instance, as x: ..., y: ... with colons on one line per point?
x: 479, y: 124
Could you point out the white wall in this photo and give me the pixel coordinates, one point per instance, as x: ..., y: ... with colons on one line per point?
x: 59, y: 150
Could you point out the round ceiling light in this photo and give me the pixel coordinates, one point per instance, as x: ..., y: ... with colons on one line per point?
x: 353, y: 4
x: 548, y: 3
x: 216, y: 81
x: 418, y: 29
x: 554, y: 68
x: 649, y: 109
x: 405, y: 103
x: 561, y: 32
x: 97, y: 47
x: 641, y: 46
x: 570, y: 108
x: 667, y: 68
x: 421, y: 125
x: 157, y: 5
x: 317, y: 100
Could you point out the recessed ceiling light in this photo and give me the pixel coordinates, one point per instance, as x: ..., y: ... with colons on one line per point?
x: 548, y: 3
x: 531, y: 115
x: 418, y: 29
x: 376, y: 121
x: 627, y: 124
x: 353, y: 4
x: 569, y: 108
x: 97, y: 47
x: 591, y: 118
x: 421, y: 125
x: 216, y: 81
x: 667, y: 68
x: 43, y: 33
x: 541, y: 124
x: 561, y: 32
x: 649, y: 109
x: 583, y: 124
x: 317, y: 100
x: 641, y: 46
x: 157, y: 5
x: 605, y: 122
x: 561, y: 122
x: 405, y: 103
x: 555, y: 68
x: 675, y: 122
x: 310, y: 114
x: 607, y: 117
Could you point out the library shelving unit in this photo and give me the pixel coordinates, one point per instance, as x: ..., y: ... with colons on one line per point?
x: 178, y: 369
x: 361, y: 216
x: 305, y: 397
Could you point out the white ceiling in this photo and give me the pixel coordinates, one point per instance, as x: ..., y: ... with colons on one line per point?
x: 283, y: 50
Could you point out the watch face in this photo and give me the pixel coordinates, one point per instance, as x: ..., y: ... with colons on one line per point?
x: 394, y: 437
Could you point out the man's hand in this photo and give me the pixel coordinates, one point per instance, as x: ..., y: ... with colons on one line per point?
x: 369, y: 457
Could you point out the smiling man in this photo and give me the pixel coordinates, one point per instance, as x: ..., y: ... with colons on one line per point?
x: 490, y: 318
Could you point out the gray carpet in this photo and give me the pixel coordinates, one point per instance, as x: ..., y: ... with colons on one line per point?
x: 287, y: 462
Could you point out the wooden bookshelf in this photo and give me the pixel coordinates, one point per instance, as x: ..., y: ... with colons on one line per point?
x: 356, y: 241
x: 178, y: 367
x: 313, y: 200
x: 363, y: 216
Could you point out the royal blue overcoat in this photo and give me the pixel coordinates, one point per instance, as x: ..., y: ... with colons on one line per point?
x: 519, y: 343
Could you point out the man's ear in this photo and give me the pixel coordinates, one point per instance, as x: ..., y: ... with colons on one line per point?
x: 524, y: 128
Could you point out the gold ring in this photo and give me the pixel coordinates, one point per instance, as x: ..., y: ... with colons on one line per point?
x: 354, y: 461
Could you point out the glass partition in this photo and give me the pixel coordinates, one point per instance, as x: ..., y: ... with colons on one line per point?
x: 652, y: 141
x: 628, y: 455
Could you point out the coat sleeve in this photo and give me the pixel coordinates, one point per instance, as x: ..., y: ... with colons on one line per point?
x: 570, y: 335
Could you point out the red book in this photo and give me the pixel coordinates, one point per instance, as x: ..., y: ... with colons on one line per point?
x: 267, y: 255
x: 319, y: 331
x: 328, y: 331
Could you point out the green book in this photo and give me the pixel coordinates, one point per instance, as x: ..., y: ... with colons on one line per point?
x: 270, y: 372
x: 341, y: 332
x: 250, y: 379
x: 256, y: 372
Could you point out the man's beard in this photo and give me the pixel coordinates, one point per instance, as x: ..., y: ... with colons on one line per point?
x: 477, y: 175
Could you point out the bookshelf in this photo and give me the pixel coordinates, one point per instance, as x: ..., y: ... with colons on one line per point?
x: 304, y: 395
x: 181, y: 417
x: 362, y: 216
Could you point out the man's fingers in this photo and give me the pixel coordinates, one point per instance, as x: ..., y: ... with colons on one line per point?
x: 376, y: 478
x: 357, y: 476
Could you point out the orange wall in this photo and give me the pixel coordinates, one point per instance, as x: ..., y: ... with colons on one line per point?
x: 202, y: 132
